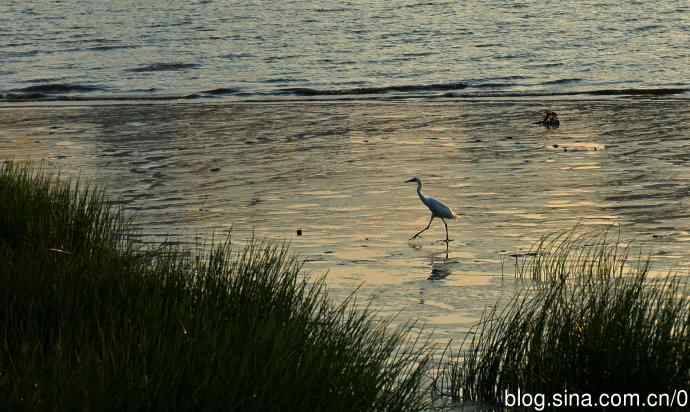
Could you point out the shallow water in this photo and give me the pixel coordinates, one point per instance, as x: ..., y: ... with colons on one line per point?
x: 336, y: 172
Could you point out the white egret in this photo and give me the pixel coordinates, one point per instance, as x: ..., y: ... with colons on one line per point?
x: 437, y: 208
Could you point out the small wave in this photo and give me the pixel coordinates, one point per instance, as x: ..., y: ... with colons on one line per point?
x: 18, y: 44
x: 237, y: 55
x: 274, y: 59
x: 54, y: 88
x: 164, y: 67
x: 422, y: 54
x: 280, y: 80
x: 426, y: 4
x: 641, y: 92
x: 496, y: 82
x: 494, y: 85
x: 544, y: 65
x: 111, y: 47
x: 332, y: 10
x: 511, y: 56
x: 221, y: 91
x: 560, y: 81
x: 17, y: 97
x: 39, y: 80
x: 647, y: 28
x: 604, y: 92
x: 305, y: 91
x: 501, y: 78
x: 17, y: 54
x: 36, y: 97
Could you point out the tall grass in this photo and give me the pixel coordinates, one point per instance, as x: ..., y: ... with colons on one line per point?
x: 593, y: 255
x: 599, y: 324
x: 91, y: 322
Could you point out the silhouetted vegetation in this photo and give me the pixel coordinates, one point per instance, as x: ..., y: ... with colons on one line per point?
x: 594, y: 322
x: 92, y: 322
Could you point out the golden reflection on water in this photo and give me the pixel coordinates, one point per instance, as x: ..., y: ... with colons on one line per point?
x: 336, y: 173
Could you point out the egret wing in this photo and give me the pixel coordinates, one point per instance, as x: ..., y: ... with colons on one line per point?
x: 438, y: 208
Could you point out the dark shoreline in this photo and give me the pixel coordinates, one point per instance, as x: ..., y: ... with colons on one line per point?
x: 54, y: 93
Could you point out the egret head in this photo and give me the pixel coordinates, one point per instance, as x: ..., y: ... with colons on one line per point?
x: 414, y: 179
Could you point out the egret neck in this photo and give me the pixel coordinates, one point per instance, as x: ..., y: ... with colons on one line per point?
x: 419, y: 191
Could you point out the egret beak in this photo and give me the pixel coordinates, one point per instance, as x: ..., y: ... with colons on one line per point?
x: 411, y: 180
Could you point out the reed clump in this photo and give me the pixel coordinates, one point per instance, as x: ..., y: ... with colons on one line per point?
x: 594, y: 322
x: 594, y: 255
x: 92, y: 322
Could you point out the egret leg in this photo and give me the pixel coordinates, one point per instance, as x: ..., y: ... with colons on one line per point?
x: 426, y: 228
x: 446, y: 224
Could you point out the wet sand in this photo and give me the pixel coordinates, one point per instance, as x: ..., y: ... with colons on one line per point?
x: 335, y: 171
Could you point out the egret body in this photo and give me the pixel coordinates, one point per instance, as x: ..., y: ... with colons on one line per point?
x: 437, y: 208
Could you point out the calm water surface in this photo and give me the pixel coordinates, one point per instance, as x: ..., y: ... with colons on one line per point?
x: 337, y: 170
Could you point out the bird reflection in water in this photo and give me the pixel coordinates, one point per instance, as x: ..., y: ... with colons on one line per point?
x: 440, y: 266
x: 440, y: 263
x: 440, y: 270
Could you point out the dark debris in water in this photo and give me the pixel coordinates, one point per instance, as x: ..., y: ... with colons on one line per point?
x: 550, y: 120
